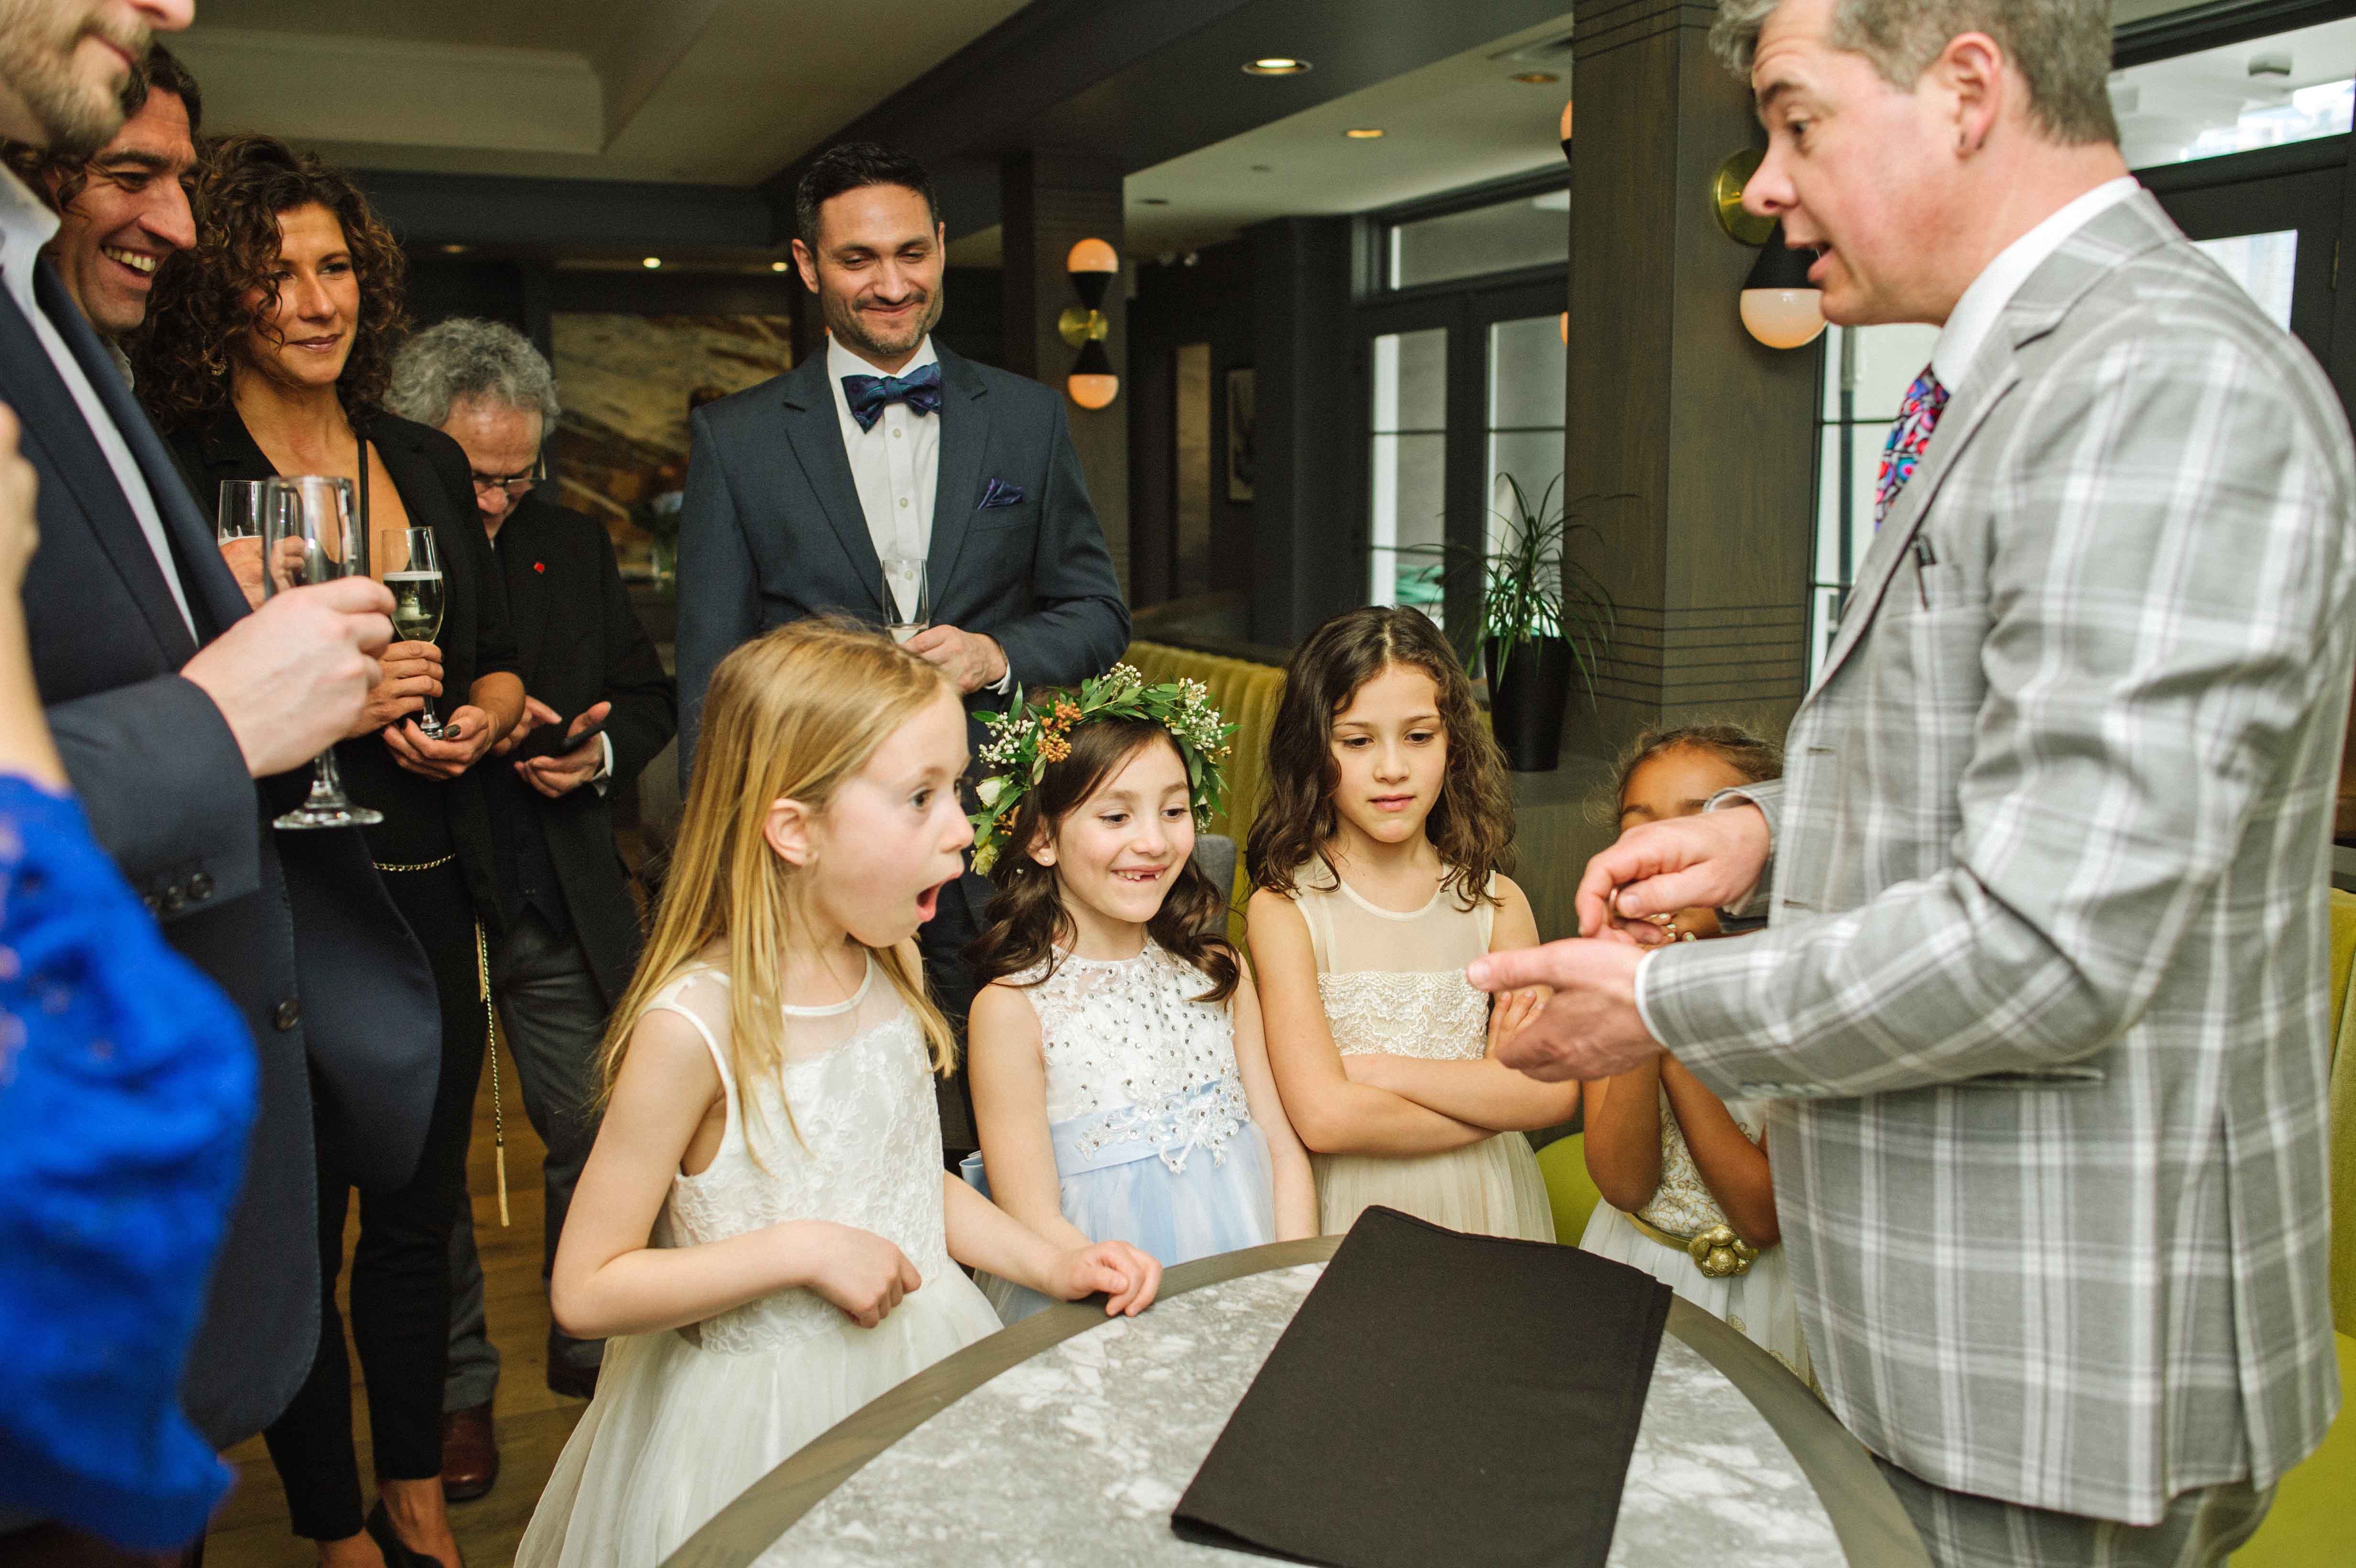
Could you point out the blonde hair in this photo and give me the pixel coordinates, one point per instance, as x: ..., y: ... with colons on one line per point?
x: 789, y: 716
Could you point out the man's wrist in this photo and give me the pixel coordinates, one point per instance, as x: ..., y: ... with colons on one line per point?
x: 1005, y: 678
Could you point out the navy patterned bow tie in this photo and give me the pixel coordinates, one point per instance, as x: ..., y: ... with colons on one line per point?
x: 867, y: 395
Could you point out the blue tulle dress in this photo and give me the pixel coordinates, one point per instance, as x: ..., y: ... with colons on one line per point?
x: 1154, y: 1142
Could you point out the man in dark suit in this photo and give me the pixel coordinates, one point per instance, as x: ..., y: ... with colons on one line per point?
x: 889, y: 453
x: 568, y: 927
x: 186, y: 724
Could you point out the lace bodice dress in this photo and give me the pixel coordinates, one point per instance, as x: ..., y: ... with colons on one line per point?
x: 1154, y: 1141
x: 1759, y: 1301
x: 1393, y: 983
x: 846, y: 1130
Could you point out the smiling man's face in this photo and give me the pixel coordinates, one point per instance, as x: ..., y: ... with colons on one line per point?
x: 131, y: 213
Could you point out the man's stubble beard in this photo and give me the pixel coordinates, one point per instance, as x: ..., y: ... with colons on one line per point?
x: 842, y: 317
x: 77, y: 117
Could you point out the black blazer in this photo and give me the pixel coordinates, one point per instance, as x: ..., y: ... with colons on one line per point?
x: 295, y: 926
x: 581, y: 644
x: 430, y: 471
x: 771, y: 530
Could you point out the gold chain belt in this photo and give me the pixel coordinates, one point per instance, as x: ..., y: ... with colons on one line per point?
x: 415, y: 866
x: 1718, y: 1252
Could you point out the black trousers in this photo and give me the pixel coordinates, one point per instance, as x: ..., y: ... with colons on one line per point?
x: 401, y: 1266
x: 942, y: 942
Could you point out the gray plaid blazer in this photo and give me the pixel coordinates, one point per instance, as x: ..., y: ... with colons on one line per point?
x: 2042, y: 998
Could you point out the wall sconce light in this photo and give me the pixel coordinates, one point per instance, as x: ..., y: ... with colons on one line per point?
x: 1566, y: 131
x: 1092, y: 266
x: 1781, y: 307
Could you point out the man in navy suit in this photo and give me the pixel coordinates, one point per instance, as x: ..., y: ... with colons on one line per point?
x: 186, y: 724
x: 888, y: 456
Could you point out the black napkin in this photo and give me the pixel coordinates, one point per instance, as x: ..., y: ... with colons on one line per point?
x: 1438, y: 1398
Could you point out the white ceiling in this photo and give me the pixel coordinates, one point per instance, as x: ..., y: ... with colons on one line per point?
x: 719, y: 92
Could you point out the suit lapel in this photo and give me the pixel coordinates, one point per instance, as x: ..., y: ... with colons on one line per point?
x: 214, y: 598
x: 521, y: 545
x: 814, y: 432
x: 956, y: 485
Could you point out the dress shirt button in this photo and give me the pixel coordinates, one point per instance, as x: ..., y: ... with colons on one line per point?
x: 903, y: 502
x: 896, y: 435
x: 286, y: 1015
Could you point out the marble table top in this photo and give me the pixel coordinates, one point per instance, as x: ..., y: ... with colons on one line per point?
x: 1077, y: 1454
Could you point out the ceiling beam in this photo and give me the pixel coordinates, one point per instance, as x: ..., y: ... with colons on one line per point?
x: 646, y: 52
x: 512, y: 213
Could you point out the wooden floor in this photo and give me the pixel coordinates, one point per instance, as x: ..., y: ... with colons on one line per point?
x: 250, y: 1530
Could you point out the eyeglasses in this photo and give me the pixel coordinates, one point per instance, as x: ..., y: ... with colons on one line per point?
x: 515, y: 485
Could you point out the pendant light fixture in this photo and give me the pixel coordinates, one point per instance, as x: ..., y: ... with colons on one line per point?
x: 1781, y: 307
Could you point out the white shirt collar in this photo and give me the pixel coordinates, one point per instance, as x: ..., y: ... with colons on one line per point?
x: 1975, y: 315
x: 841, y: 362
x: 25, y: 225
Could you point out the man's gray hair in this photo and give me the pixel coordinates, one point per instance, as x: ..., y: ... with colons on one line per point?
x: 467, y: 357
x: 2061, y: 47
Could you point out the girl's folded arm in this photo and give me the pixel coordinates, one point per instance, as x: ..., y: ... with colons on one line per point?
x: 1733, y: 1167
x: 1623, y: 1137
x: 1296, y: 1188
x: 1331, y: 1114
x: 607, y: 1280
x: 1006, y: 1058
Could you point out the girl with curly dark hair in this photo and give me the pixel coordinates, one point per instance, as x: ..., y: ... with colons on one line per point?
x: 266, y: 352
x: 1120, y: 1085
x: 1379, y: 857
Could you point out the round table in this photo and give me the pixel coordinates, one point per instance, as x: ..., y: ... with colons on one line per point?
x: 1068, y: 1438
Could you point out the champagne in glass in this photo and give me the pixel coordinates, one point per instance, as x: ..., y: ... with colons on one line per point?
x: 413, y: 574
x: 907, y: 601
x: 306, y: 538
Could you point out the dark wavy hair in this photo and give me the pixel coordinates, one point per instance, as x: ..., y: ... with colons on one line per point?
x: 1027, y: 921
x: 854, y: 165
x: 181, y: 356
x: 1472, y: 824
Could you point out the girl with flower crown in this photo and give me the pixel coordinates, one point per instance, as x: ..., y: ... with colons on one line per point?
x: 1121, y: 1086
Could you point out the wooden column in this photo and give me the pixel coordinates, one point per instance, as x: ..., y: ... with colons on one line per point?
x: 1050, y: 199
x: 1690, y: 447
x: 1309, y: 553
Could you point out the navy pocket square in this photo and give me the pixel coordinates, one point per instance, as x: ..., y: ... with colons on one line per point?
x: 999, y: 492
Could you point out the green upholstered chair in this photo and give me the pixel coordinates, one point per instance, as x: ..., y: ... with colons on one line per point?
x: 1570, y: 1191
x: 2309, y: 1525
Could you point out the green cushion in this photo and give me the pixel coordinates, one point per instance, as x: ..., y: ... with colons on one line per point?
x: 1570, y: 1190
x: 2308, y: 1525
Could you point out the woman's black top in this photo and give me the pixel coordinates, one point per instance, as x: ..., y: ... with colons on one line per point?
x: 424, y: 820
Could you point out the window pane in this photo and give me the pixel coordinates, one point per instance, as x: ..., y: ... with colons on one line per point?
x: 2265, y: 264
x: 1888, y: 360
x: 1527, y: 369
x: 2288, y: 87
x: 1532, y: 459
x: 1526, y: 231
x: 1410, y: 465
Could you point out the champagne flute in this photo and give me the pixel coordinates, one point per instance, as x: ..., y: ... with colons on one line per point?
x: 907, y: 598
x: 240, y: 516
x: 307, y: 537
x: 413, y: 574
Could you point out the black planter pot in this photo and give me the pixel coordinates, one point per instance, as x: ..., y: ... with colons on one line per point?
x: 1526, y: 699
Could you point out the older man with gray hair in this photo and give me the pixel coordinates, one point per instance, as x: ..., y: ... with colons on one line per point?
x: 568, y: 928
x: 2043, y: 995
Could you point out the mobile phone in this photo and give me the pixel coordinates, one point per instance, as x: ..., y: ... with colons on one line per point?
x: 551, y: 740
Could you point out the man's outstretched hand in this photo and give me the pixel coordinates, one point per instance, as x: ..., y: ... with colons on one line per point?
x: 1589, y: 1029
x: 1710, y: 861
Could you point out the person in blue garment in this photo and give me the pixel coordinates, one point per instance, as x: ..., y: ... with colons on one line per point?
x: 127, y: 1088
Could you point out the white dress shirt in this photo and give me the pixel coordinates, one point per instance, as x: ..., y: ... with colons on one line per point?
x: 1968, y: 326
x: 24, y: 227
x: 896, y: 465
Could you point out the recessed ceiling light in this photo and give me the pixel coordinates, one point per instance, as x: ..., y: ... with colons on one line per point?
x: 1364, y: 132
x: 651, y: 262
x: 454, y: 250
x: 1263, y: 168
x: 777, y: 266
x: 1275, y: 65
x: 1537, y: 78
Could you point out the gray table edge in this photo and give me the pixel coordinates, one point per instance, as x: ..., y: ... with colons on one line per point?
x: 1866, y: 1514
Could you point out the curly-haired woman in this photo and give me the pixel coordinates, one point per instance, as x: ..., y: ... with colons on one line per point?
x: 267, y: 351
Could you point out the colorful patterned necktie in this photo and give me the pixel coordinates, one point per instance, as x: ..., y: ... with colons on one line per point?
x: 1918, y: 415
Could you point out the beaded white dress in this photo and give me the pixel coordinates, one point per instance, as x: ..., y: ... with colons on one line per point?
x: 1395, y: 983
x: 1758, y: 1302
x: 686, y: 1419
x: 1154, y: 1142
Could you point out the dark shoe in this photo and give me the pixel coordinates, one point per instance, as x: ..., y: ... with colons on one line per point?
x: 571, y: 1373
x: 396, y: 1555
x: 470, y: 1453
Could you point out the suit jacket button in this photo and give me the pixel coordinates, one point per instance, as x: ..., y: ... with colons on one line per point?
x: 286, y: 1015
x: 176, y: 898
x: 200, y: 886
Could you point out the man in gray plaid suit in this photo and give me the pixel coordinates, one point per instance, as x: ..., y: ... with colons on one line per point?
x: 2042, y: 994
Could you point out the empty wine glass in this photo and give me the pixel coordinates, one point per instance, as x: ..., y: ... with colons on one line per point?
x: 307, y: 536
x: 907, y: 598
x: 240, y: 516
x: 411, y: 571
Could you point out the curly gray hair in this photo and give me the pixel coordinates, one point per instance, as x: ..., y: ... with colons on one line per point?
x: 467, y: 357
x: 2062, y: 47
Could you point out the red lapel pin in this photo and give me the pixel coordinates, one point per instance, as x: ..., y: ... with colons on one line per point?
x: 538, y: 566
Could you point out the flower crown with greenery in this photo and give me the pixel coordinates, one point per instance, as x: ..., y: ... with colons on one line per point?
x: 1024, y: 740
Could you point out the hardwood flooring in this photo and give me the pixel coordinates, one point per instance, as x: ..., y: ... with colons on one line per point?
x: 251, y: 1529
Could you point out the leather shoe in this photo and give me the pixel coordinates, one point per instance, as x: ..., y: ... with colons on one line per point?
x: 470, y: 1453
x: 566, y: 1374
